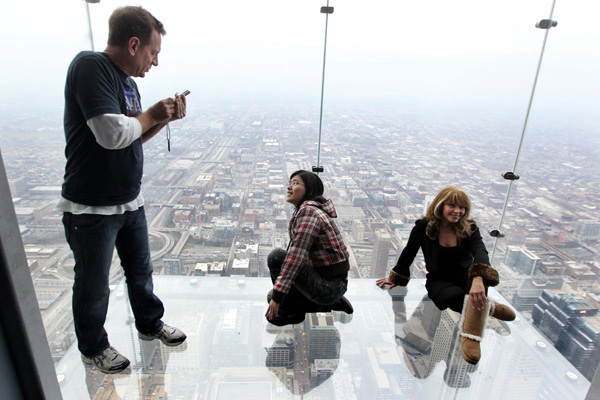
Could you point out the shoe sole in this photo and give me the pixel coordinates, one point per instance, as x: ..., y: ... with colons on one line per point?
x: 105, y: 371
x: 508, y: 317
x: 116, y: 371
x: 170, y: 344
x: 471, y: 361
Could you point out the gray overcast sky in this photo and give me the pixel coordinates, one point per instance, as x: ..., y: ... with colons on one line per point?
x: 402, y: 50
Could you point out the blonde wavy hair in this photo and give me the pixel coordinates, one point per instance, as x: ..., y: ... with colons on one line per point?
x: 451, y: 195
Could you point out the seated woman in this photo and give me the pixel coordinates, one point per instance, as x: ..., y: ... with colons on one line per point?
x: 457, y: 264
x: 313, y: 275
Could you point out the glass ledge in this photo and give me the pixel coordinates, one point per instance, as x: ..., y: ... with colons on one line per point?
x: 396, y: 345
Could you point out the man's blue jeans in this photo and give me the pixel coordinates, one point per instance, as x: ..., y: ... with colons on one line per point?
x: 92, y: 239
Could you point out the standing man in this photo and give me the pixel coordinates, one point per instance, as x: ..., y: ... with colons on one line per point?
x: 101, y: 198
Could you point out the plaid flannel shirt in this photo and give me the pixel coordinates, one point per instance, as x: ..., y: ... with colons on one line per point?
x: 315, y: 240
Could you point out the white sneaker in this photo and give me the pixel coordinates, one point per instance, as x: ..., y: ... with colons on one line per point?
x: 109, y: 361
x: 169, y: 335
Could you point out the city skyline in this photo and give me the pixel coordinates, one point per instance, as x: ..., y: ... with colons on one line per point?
x: 414, y: 100
x: 394, y: 166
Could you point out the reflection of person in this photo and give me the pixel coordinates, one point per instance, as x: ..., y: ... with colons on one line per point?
x: 101, y: 197
x: 313, y: 275
x: 417, y: 338
x: 457, y: 264
x: 152, y: 361
x: 300, y: 350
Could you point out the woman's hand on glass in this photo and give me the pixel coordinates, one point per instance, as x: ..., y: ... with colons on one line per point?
x: 381, y: 282
x: 477, y: 293
x: 272, y: 310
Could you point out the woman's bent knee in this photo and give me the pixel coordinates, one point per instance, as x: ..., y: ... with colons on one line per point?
x: 276, y: 258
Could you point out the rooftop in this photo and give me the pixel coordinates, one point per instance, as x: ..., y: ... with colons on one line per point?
x: 395, y: 345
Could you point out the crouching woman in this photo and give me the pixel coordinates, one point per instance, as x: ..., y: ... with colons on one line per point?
x: 312, y: 276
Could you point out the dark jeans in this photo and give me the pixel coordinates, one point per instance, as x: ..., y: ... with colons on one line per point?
x: 309, y: 288
x: 92, y: 239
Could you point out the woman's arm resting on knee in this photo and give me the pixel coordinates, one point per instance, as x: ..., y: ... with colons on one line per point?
x: 477, y: 293
x: 481, y: 276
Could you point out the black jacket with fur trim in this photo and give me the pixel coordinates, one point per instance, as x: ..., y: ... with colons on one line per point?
x: 472, y: 261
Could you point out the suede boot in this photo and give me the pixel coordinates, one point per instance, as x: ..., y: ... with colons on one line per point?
x: 472, y: 324
x: 500, y: 311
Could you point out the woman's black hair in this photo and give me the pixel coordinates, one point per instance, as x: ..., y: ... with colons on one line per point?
x: 312, y: 184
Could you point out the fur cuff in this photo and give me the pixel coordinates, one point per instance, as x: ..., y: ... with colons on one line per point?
x: 490, y: 275
x: 398, y: 279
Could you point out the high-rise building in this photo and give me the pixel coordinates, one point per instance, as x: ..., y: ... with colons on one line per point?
x: 588, y: 230
x: 18, y: 186
x: 240, y: 267
x: 224, y: 230
x: 248, y: 252
x: 281, y: 353
x: 531, y: 289
x: 426, y: 203
x: 358, y: 230
x: 323, y: 338
x: 572, y: 324
x: 173, y: 266
x: 521, y: 259
x: 381, y: 252
x: 359, y: 198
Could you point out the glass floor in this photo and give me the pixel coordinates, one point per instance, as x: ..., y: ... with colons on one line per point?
x: 396, y: 345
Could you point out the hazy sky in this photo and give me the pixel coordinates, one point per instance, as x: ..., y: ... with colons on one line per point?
x: 469, y: 51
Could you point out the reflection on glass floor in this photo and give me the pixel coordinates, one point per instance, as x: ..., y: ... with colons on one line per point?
x: 396, y: 345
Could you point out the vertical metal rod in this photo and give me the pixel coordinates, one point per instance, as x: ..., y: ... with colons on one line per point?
x: 322, y: 90
x: 510, y: 184
x: 87, y: 9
